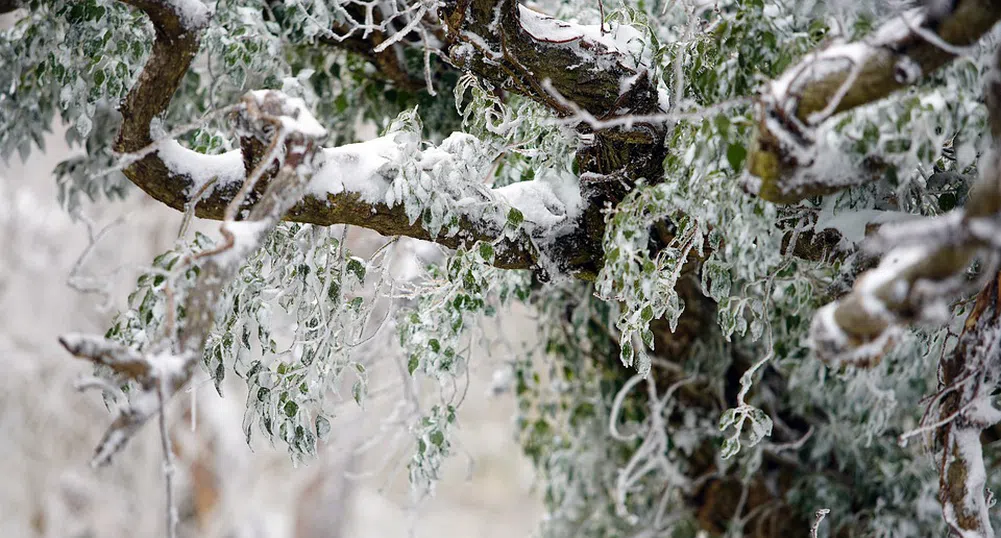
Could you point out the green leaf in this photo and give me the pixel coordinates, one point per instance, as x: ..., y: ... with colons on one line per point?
x: 731, y: 445
x: 357, y: 268
x: 358, y: 391
x: 322, y: 427
x: 735, y: 155
x: 487, y: 252
x: 515, y: 218
x: 727, y: 419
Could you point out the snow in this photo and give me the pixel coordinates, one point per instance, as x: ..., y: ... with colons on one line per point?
x: 247, y: 237
x: 296, y: 116
x: 305, y: 124
x: 818, y: 65
x: 616, y: 38
x: 826, y: 325
x: 201, y: 168
x: 907, y: 71
x: 193, y: 14
x: 545, y: 202
x: 970, y: 450
x: 355, y: 168
x: 852, y: 224
x: 841, y: 57
x: 871, y: 287
x: 483, y: 46
x: 370, y: 170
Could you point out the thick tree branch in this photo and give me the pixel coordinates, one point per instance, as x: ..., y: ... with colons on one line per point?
x: 6, y: 6
x: 176, y: 180
x: 605, y: 73
x: 844, y: 76
x: 968, y: 377
x: 925, y: 265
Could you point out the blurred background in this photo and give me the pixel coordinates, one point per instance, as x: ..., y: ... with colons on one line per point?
x: 48, y: 430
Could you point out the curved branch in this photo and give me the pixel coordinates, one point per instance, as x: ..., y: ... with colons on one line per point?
x: 173, y: 175
x: 845, y: 76
x: 518, y: 48
x: 925, y: 265
x: 6, y: 6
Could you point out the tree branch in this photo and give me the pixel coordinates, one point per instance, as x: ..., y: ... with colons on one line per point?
x: 6, y: 6
x: 604, y: 73
x: 387, y: 62
x: 844, y: 76
x: 173, y: 174
x: 925, y: 265
x: 968, y: 377
x: 168, y: 366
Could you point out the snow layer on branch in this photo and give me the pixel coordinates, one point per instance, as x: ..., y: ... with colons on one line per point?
x: 355, y: 168
x: 833, y: 345
x: 844, y: 57
x: 898, y: 262
x: 545, y: 202
x: 201, y: 168
x: 623, y: 40
x: 247, y: 237
x: 169, y: 369
x: 970, y: 451
x: 296, y: 116
x: 443, y: 180
x: 851, y: 224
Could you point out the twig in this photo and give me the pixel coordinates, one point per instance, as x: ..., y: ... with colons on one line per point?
x: 819, y: 515
x: 168, y: 461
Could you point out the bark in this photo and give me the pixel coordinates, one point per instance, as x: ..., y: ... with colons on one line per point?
x: 792, y: 108
x: 968, y: 374
x: 173, y: 52
x: 513, y: 60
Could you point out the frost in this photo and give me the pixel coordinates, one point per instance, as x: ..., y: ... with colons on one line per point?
x: 545, y: 202
x: 841, y: 57
x: 618, y: 451
x: 851, y: 225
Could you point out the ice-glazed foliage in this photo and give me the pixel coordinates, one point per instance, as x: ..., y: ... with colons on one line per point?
x: 301, y: 278
x: 522, y: 131
x: 102, y: 45
x: 927, y: 145
x: 628, y: 439
x: 437, y: 333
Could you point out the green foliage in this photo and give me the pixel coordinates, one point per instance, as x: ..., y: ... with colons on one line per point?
x: 436, y: 334
x: 615, y: 451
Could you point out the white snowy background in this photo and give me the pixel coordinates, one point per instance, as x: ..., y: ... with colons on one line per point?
x: 48, y: 430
